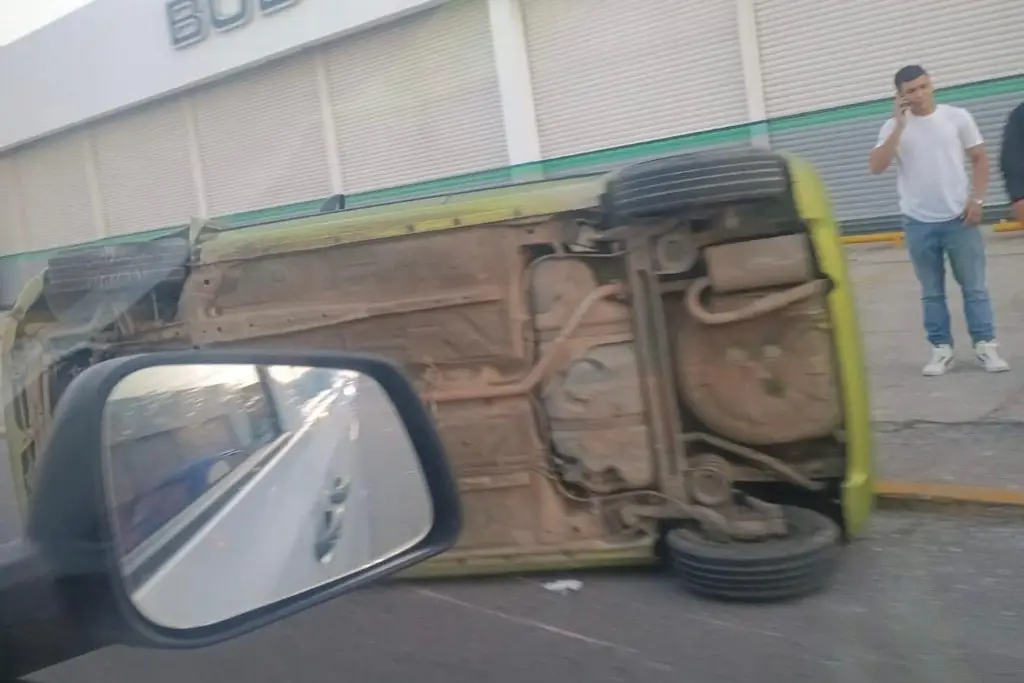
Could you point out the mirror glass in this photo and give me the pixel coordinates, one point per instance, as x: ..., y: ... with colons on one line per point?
x: 231, y: 487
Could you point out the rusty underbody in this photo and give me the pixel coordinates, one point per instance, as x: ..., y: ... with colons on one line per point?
x: 588, y: 391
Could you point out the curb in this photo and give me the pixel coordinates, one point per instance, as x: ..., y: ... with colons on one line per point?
x: 903, y: 494
x: 894, y: 238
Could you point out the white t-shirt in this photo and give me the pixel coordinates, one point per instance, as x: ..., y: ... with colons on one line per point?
x: 931, y: 166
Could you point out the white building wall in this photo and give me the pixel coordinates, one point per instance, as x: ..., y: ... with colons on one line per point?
x: 114, y: 54
x: 260, y: 138
x: 417, y: 99
x: 826, y: 53
x: 615, y: 72
x: 413, y: 99
x: 347, y: 96
x: 53, y: 190
x: 515, y: 82
x: 143, y: 168
x: 12, y: 221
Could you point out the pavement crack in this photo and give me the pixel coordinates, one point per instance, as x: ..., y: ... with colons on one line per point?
x: 896, y: 426
x: 1009, y: 401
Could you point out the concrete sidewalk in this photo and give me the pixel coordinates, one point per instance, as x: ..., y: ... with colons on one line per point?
x: 966, y: 427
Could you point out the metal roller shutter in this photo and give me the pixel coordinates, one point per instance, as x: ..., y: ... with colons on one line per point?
x: 12, y: 236
x: 53, y: 184
x: 261, y: 138
x: 417, y: 99
x: 143, y: 169
x: 839, y: 149
x: 824, y: 53
x: 613, y: 72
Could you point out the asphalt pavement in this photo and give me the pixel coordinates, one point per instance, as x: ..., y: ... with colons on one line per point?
x: 922, y: 599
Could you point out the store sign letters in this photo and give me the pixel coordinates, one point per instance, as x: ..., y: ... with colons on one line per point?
x: 191, y: 21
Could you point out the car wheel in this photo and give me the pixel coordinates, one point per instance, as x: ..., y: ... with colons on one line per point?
x: 668, y: 186
x: 775, y: 569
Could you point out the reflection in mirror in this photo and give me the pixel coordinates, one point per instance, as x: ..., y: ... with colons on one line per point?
x: 231, y: 487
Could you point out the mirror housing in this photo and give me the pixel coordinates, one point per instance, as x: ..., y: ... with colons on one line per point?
x: 69, y: 536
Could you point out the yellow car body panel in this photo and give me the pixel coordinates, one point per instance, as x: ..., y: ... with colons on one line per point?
x: 513, y: 219
x: 814, y: 205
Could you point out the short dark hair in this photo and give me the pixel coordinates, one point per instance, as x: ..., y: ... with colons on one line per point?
x: 908, y: 73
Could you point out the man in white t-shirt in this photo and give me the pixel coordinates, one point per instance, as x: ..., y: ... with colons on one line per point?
x: 942, y: 208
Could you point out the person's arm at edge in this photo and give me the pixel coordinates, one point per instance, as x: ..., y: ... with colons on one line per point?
x: 1012, y: 161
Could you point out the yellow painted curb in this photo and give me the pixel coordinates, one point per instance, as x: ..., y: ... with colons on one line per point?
x: 949, y: 493
x: 1008, y: 226
x: 895, y: 238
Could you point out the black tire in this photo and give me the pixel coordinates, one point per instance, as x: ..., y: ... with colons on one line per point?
x: 665, y: 187
x: 776, y: 569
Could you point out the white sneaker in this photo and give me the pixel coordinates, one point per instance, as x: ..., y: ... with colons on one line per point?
x: 988, y: 354
x: 942, y: 360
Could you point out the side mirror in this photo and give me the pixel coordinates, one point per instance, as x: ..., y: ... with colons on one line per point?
x: 214, y: 492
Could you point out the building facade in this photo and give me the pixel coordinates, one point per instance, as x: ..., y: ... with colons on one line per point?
x: 131, y: 116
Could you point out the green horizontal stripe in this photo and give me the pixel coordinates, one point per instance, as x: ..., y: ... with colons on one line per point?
x: 577, y: 163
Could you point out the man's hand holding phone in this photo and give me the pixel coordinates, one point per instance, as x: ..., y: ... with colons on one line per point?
x: 900, y: 108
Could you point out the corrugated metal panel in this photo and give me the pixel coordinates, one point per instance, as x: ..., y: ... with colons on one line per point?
x: 261, y: 138
x: 143, y: 169
x: 614, y: 72
x: 840, y: 152
x: 12, y: 236
x: 56, y: 203
x: 823, y: 53
x: 417, y: 99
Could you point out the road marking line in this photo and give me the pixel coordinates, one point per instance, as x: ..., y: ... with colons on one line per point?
x: 533, y: 623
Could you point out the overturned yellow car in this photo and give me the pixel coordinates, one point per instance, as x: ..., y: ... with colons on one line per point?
x: 660, y: 362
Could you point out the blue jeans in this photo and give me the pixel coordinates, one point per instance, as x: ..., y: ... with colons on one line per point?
x: 929, y: 245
